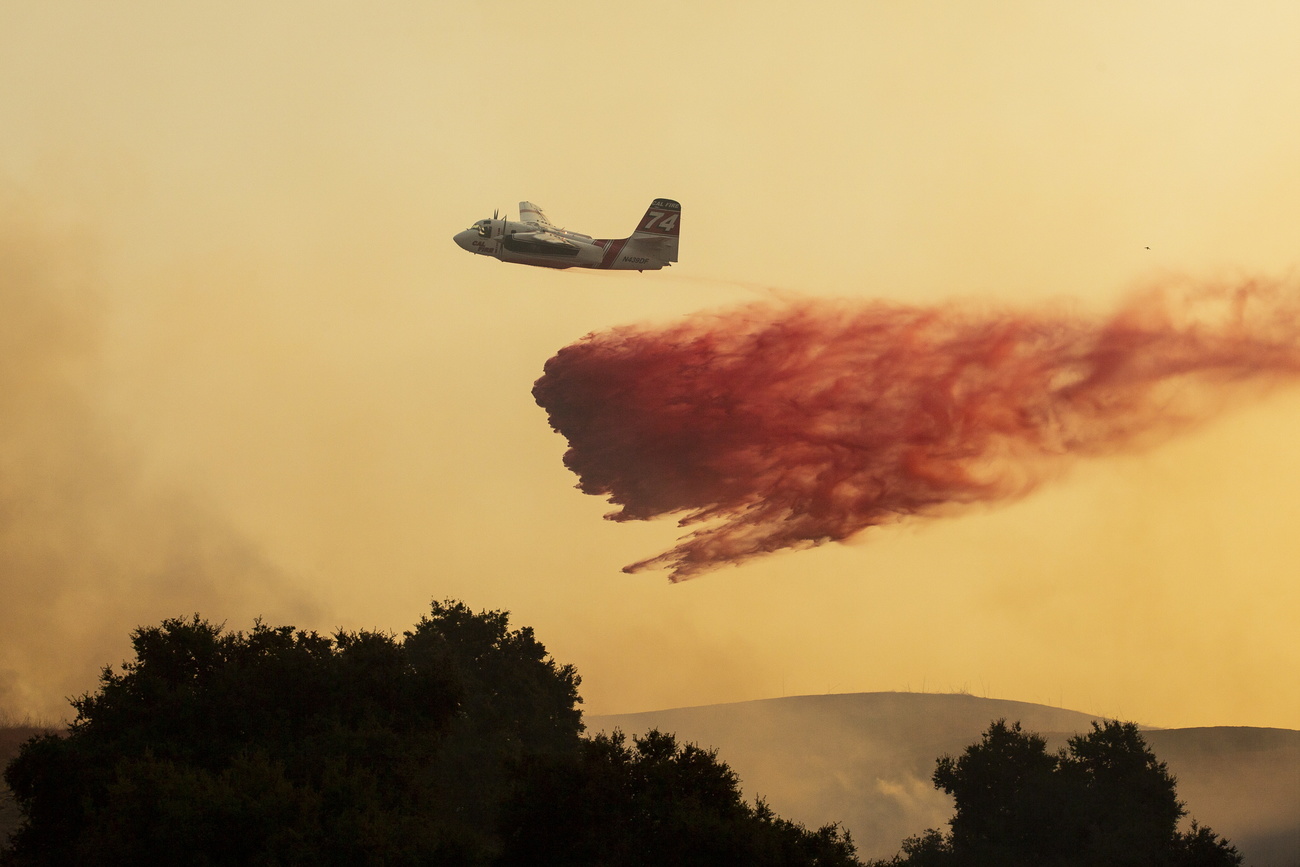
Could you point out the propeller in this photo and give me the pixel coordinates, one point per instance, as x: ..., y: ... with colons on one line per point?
x: 494, y: 213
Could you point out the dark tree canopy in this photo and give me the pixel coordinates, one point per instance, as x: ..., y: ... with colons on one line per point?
x: 654, y: 802
x: 1104, y: 802
x: 285, y: 746
x: 459, y: 743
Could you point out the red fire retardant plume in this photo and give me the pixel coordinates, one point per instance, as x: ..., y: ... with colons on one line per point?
x: 772, y: 427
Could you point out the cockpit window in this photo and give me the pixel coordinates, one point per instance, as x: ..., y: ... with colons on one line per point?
x: 484, y: 229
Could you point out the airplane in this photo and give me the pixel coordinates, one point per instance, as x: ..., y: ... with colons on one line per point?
x: 534, y: 240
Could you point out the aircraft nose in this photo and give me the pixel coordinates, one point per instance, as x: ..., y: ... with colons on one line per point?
x: 462, y: 239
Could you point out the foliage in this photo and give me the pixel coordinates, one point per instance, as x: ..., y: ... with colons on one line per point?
x: 284, y: 746
x: 458, y: 744
x: 1104, y: 801
x: 654, y: 802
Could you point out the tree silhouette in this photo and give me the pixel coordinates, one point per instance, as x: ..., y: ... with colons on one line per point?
x: 226, y: 747
x: 515, y: 702
x: 654, y: 802
x: 460, y: 743
x: 1106, y: 801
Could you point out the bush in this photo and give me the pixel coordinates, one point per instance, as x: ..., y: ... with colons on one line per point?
x: 1104, y: 801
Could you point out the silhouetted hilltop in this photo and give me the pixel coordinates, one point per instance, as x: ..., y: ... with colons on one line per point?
x: 866, y: 759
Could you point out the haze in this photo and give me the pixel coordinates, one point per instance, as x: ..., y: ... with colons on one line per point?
x: 247, y: 371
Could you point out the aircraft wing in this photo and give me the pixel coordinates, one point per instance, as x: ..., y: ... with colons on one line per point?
x: 543, y: 241
x: 530, y: 213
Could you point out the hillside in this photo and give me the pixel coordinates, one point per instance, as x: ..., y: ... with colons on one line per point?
x: 866, y: 759
x: 1243, y: 782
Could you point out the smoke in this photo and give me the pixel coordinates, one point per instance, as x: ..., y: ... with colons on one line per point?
x: 89, y: 548
x: 783, y: 426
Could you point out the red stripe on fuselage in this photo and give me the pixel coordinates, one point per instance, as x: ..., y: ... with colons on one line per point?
x: 612, y: 251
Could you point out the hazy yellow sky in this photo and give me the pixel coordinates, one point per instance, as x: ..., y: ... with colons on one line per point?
x: 250, y: 373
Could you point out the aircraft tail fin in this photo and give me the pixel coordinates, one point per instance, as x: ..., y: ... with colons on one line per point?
x: 659, y: 229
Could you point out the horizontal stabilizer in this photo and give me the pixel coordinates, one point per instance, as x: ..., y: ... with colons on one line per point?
x: 530, y: 213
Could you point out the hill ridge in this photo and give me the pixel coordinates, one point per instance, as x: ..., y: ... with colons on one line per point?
x: 865, y: 760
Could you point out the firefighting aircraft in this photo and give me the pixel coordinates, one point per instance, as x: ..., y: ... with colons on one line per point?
x: 534, y: 240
